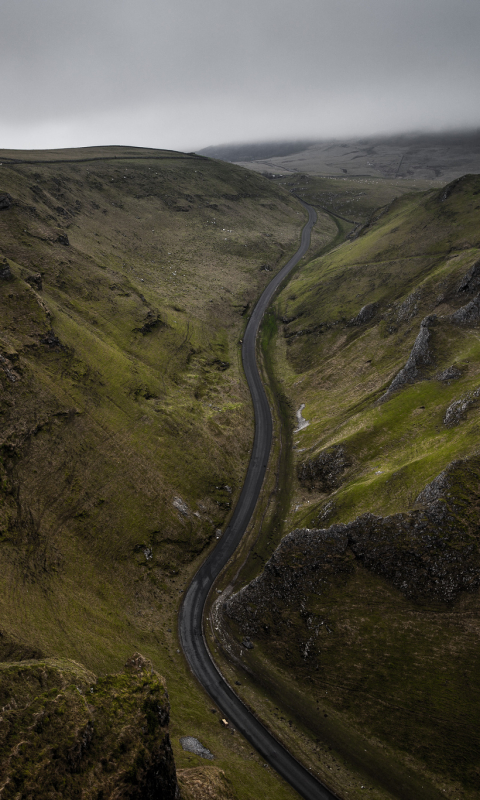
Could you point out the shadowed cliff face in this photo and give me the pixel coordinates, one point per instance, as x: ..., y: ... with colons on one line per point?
x: 377, y: 620
x: 429, y: 553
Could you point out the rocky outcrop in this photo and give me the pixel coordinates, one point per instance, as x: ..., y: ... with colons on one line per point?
x: 66, y: 733
x: 35, y: 281
x: 324, y: 472
x: 471, y: 281
x: 408, y: 309
x: 457, y: 410
x: 52, y: 341
x: 420, y: 357
x: 5, y: 200
x: 468, y: 314
x: 152, y: 321
x: 451, y: 373
x: 366, y: 314
x: 429, y: 553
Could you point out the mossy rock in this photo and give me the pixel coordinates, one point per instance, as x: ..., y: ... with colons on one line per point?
x: 67, y: 733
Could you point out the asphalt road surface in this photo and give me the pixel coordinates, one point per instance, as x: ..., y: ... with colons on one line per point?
x: 190, y: 623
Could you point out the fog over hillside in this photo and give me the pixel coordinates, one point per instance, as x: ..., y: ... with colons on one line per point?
x: 434, y: 156
x: 184, y: 75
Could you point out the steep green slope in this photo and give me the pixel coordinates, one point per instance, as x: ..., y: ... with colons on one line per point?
x: 372, y: 602
x: 125, y: 422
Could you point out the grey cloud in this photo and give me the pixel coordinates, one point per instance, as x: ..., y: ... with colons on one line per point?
x: 277, y: 67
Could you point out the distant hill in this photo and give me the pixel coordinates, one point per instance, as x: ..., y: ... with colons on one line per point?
x: 437, y: 156
x: 252, y: 152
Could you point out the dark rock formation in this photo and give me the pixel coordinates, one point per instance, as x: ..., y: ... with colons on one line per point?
x: 62, y: 238
x: 324, y: 473
x: 5, y: 200
x: 35, y: 281
x: 5, y: 271
x: 469, y: 314
x: 52, y: 341
x: 428, y: 553
x: 65, y: 729
x: 420, y: 357
x: 471, y: 281
x: 365, y: 314
x: 451, y: 373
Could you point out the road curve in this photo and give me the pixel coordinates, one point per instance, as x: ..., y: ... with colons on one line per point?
x: 190, y: 624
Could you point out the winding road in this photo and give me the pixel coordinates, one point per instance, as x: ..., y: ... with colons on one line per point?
x: 190, y: 623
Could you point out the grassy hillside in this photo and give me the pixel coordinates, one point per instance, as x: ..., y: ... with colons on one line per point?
x: 375, y: 611
x: 126, y: 279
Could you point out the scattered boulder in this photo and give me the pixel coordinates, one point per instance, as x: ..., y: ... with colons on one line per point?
x: 5, y: 271
x: 420, y: 357
x: 152, y: 321
x: 324, y: 472
x: 138, y: 665
x: 5, y: 200
x: 35, y: 281
x: 62, y: 238
x: 52, y: 341
x: 451, y: 373
x: 181, y: 506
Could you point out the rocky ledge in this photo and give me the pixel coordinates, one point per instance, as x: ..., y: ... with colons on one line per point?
x: 65, y: 733
x: 428, y: 553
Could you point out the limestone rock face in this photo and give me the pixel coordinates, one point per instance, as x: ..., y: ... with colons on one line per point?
x: 431, y: 552
x: 421, y: 356
x: 457, y: 410
x: 65, y: 733
x: 468, y: 314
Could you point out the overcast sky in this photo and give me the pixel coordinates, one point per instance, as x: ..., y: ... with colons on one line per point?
x: 185, y: 74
